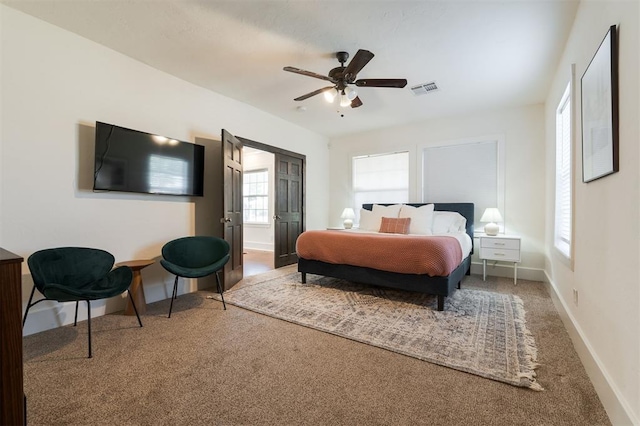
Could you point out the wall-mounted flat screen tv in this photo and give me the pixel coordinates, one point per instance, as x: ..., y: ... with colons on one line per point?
x: 132, y: 161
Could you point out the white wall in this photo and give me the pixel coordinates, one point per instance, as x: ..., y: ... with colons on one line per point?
x: 258, y: 236
x: 55, y: 85
x: 605, y: 324
x: 522, y: 130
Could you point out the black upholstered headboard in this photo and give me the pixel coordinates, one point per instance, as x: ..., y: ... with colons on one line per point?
x: 465, y: 209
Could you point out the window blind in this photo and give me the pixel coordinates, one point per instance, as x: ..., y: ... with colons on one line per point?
x: 382, y: 178
x: 563, y: 175
x: 464, y: 172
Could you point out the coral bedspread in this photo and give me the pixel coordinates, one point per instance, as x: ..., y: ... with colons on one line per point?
x: 405, y: 254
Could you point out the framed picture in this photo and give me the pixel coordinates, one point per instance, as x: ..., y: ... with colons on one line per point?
x: 599, y: 88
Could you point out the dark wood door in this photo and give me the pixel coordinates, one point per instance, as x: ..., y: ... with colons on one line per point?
x: 232, y: 206
x: 12, y: 408
x: 288, y: 208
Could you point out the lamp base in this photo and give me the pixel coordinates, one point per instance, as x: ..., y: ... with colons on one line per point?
x: 348, y: 224
x: 491, y: 229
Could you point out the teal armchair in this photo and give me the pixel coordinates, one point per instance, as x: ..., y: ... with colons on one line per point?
x: 74, y: 274
x: 195, y: 257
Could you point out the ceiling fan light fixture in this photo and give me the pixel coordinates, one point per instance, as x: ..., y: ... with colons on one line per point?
x: 342, y: 76
x: 350, y: 93
x: 344, y: 100
x: 330, y: 95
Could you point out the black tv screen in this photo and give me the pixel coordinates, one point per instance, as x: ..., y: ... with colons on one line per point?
x: 131, y: 161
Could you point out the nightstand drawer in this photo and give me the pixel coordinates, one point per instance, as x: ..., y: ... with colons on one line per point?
x: 501, y: 243
x: 490, y: 253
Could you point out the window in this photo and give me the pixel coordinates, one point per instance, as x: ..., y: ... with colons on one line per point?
x: 256, y: 196
x: 563, y: 175
x: 382, y: 178
x: 470, y: 170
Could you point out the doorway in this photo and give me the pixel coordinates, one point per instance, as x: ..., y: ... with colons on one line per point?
x: 258, y: 198
x: 220, y: 211
x: 272, y: 222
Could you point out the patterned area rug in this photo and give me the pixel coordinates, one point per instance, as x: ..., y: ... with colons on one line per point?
x: 479, y: 332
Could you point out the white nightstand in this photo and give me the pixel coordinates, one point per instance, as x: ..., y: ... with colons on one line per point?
x: 500, y: 247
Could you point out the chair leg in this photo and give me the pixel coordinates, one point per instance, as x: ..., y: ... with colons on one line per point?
x: 89, y: 324
x: 75, y: 319
x: 173, y: 295
x: 134, y: 308
x: 220, y: 291
x: 28, y: 305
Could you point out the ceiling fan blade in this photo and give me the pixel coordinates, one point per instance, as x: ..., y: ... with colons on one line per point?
x: 356, y: 102
x: 361, y: 58
x: 308, y: 73
x: 382, y: 82
x: 315, y: 92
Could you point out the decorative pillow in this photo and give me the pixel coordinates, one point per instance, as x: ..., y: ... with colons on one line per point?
x: 387, y: 211
x: 392, y: 225
x: 368, y: 221
x: 421, y: 218
x: 446, y: 222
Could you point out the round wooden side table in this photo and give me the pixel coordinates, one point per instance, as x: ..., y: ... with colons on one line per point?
x: 136, y: 289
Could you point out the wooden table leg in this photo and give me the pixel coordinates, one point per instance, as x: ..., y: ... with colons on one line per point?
x: 135, y: 289
x: 137, y: 293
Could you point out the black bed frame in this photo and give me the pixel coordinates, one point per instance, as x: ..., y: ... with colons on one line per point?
x: 439, y: 286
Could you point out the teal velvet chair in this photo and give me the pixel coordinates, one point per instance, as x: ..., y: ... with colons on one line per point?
x: 74, y: 274
x: 195, y: 257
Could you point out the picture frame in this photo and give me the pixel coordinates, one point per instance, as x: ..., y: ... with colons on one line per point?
x: 599, y: 107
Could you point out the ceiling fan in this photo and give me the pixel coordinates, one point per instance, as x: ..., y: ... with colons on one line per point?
x: 341, y: 77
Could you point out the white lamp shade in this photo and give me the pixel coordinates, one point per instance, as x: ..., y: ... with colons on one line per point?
x: 491, y: 215
x: 330, y: 95
x: 344, y: 101
x: 348, y: 215
x: 351, y: 93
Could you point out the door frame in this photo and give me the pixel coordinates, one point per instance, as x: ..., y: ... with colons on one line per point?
x: 275, y: 150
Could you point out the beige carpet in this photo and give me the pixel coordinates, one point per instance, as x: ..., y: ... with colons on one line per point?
x: 479, y: 332
x: 207, y: 366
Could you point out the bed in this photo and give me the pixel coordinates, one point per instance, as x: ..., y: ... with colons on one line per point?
x: 439, y: 285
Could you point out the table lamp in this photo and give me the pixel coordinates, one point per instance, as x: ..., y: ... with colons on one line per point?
x: 348, y: 215
x: 491, y: 215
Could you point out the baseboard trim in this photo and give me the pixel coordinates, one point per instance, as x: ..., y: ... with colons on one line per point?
x: 50, y: 314
x: 256, y: 245
x: 617, y: 408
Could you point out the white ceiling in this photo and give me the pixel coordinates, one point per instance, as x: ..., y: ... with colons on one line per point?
x: 482, y: 54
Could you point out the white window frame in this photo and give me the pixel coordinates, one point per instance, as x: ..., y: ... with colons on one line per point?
x: 499, y: 139
x: 357, y: 203
x: 266, y: 196
x: 563, y: 202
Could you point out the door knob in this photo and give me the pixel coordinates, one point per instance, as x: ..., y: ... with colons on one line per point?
x: 276, y: 217
x: 225, y: 220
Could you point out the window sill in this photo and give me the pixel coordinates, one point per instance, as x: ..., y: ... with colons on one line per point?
x: 563, y: 258
x: 257, y: 224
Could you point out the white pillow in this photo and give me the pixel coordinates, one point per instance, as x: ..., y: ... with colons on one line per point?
x: 369, y: 221
x: 446, y: 222
x: 387, y: 211
x: 421, y: 218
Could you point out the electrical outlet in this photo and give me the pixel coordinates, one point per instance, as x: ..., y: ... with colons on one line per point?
x: 575, y: 296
